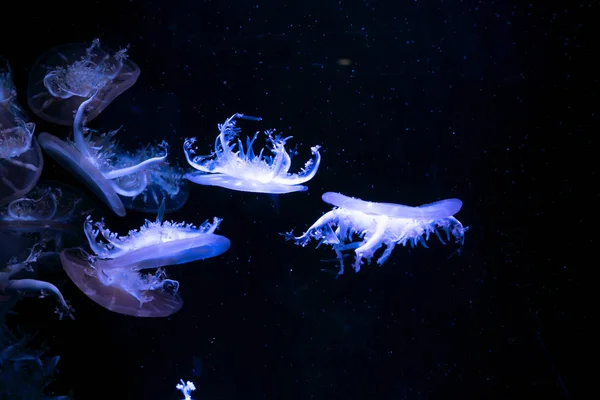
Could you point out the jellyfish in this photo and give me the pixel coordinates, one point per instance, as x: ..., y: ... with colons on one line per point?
x: 21, y: 159
x: 244, y: 171
x: 62, y: 78
x: 97, y: 161
x: 150, y: 187
x: 11, y: 284
x: 116, y: 275
x: 364, y: 227
x: 51, y: 212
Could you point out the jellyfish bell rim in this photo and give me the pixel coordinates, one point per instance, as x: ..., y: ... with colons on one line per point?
x: 233, y: 183
x: 72, y: 161
x: 181, y: 251
x: 36, y: 85
x: 436, y: 210
x: 80, y: 271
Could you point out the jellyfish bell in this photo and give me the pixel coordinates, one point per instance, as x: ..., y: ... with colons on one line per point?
x: 113, y: 276
x: 151, y: 301
x: 65, y: 76
x: 52, y: 211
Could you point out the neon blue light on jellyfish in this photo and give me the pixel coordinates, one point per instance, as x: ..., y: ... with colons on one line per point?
x: 65, y: 76
x: 112, y: 276
x: 100, y: 164
x: 365, y: 227
x: 243, y: 170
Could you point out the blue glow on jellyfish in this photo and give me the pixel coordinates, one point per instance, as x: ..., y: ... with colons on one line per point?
x: 21, y: 159
x: 97, y: 160
x: 242, y: 170
x: 113, y: 278
x: 365, y: 227
x: 67, y: 75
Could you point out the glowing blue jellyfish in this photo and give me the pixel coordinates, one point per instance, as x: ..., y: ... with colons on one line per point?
x: 365, y: 226
x: 186, y: 388
x: 241, y: 170
x: 112, y: 276
x: 12, y: 284
x: 21, y: 160
x: 97, y: 161
x: 62, y: 78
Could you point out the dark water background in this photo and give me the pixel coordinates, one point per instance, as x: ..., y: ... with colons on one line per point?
x: 490, y: 102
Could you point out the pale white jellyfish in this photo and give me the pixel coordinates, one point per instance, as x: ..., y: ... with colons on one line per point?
x: 97, y: 161
x: 21, y: 160
x: 238, y: 169
x: 365, y: 227
x: 112, y: 276
x: 64, y: 77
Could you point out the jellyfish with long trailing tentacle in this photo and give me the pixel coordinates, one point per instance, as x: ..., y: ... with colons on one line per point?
x: 11, y: 284
x: 113, y: 276
x: 365, y: 227
x: 97, y: 161
x: 21, y: 159
x: 64, y: 77
x: 238, y: 169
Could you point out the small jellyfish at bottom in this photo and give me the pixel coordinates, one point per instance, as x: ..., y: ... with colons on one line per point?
x: 21, y: 159
x: 65, y: 76
x: 242, y: 170
x: 116, y: 276
x: 365, y: 227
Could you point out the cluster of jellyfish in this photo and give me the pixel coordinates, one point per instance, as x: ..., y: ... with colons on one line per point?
x: 70, y: 86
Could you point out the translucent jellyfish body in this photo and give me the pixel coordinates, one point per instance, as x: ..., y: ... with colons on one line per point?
x: 99, y: 163
x: 52, y: 212
x: 21, y: 160
x: 62, y: 78
x: 146, y: 190
x: 365, y: 227
x: 238, y: 169
x: 112, y: 278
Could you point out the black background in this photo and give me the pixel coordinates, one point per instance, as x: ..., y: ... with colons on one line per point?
x: 490, y: 102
